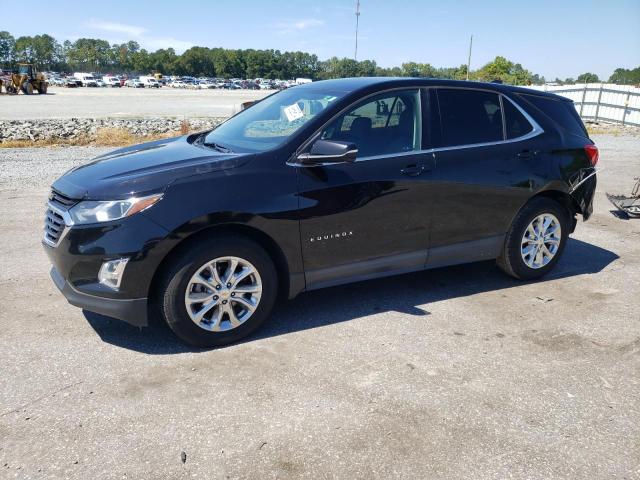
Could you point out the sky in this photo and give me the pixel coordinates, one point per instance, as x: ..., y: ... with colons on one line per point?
x: 561, y: 38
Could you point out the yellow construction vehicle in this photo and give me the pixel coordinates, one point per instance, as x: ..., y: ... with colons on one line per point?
x: 27, y: 80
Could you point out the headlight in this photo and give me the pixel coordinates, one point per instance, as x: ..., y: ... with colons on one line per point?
x: 91, y: 211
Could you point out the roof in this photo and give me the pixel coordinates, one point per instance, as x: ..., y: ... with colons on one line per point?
x: 357, y: 83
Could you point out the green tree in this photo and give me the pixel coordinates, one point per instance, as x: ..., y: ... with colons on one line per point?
x: 622, y: 76
x: 24, y: 49
x: 588, y: 78
x: 7, y: 49
x: 504, y: 70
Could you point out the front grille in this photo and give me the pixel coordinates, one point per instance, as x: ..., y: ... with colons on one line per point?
x: 54, y: 223
x: 54, y: 227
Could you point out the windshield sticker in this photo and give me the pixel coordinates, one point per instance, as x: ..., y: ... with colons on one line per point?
x: 293, y: 112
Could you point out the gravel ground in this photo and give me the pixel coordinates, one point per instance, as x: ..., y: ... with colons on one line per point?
x: 457, y: 373
x: 126, y: 102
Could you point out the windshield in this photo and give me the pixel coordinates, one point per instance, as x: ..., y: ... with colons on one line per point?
x: 270, y: 122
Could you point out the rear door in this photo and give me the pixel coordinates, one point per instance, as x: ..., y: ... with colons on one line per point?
x: 368, y: 217
x: 485, y: 169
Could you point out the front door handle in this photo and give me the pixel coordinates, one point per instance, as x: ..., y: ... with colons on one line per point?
x: 527, y: 153
x: 413, y: 170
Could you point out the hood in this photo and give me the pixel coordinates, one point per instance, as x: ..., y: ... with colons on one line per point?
x: 143, y: 169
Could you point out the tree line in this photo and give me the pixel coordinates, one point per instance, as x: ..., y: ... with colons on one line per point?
x: 96, y: 55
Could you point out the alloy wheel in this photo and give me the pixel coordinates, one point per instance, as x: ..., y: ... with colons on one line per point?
x: 223, y: 294
x: 541, y: 240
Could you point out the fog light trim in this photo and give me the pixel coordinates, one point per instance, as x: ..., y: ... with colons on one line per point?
x: 111, y: 272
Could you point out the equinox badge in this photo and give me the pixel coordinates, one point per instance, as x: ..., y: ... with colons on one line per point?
x: 331, y: 236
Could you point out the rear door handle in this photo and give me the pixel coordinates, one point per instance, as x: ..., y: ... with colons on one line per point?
x: 413, y: 170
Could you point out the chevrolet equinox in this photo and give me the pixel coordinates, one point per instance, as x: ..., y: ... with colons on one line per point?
x: 322, y: 184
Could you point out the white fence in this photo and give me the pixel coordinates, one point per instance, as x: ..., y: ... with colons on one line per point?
x: 602, y: 101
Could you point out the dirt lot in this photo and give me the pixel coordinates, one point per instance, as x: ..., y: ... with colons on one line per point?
x: 451, y: 373
x: 125, y: 102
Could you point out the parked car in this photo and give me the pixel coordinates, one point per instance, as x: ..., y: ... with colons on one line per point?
x: 319, y: 185
x: 134, y: 83
x: 85, y: 79
x: 71, y: 83
x: 111, y: 81
x: 206, y: 85
x: 150, y: 82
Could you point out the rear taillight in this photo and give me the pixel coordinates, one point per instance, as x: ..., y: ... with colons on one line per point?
x: 592, y: 153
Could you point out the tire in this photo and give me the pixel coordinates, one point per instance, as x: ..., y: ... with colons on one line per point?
x: 178, y: 277
x: 514, y: 260
x: 28, y: 88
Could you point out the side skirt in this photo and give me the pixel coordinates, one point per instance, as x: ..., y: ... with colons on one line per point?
x: 465, y: 252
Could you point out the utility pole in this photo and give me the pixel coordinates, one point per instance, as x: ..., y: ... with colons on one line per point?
x: 355, y: 57
x: 469, y: 61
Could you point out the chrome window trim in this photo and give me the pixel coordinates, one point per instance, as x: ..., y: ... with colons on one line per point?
x: 308, y: 156
x: 536, y: 130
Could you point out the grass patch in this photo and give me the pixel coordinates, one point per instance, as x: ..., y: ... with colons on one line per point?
x: 104, y: 137
x: 600, y: 130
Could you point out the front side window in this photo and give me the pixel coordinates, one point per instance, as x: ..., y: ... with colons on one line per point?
x: 387, y: 124
x: 270, y: 122
x: 469, y: 117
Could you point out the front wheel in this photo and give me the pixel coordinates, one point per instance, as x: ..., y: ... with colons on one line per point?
x: 218, y: 292
x: 535, y: 240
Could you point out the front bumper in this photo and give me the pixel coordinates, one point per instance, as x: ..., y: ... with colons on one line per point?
x: 132, y: 311
x: 82, y: 250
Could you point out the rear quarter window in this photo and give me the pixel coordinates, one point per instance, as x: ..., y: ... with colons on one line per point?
x: 562, y: 112
x: 515, y: 122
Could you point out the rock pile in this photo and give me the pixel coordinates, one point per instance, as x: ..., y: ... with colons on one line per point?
x: 77, y: 127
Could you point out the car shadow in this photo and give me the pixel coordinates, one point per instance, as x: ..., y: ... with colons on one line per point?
x: 405, y: 294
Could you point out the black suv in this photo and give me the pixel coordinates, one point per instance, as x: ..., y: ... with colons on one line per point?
x: 319, y: 185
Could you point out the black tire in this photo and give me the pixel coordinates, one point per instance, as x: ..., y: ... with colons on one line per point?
x: 176, y: 277
x: 511, y: 261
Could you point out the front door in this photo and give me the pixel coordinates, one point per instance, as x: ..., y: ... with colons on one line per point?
x: 369, y: 217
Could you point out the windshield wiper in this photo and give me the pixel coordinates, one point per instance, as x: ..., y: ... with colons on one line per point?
x: 217, y: 146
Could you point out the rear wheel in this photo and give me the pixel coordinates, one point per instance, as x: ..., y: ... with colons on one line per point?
x: 536, y: 239
x: 28, y: 88
x: 219, y: 292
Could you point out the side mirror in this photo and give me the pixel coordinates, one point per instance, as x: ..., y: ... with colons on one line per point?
x: 329, y: 151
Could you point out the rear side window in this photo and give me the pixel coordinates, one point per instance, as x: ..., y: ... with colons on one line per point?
x: 516, y: 123
x: 561, y: 111
x: 469, y: 116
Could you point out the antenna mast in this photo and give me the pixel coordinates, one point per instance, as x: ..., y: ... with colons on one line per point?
x: 355, y: 57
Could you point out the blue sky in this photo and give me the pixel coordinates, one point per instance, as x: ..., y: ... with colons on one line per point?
x: 552, y: 38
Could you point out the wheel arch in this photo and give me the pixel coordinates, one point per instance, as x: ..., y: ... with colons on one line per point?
x: 564, y: 199
x: 261, y: 238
